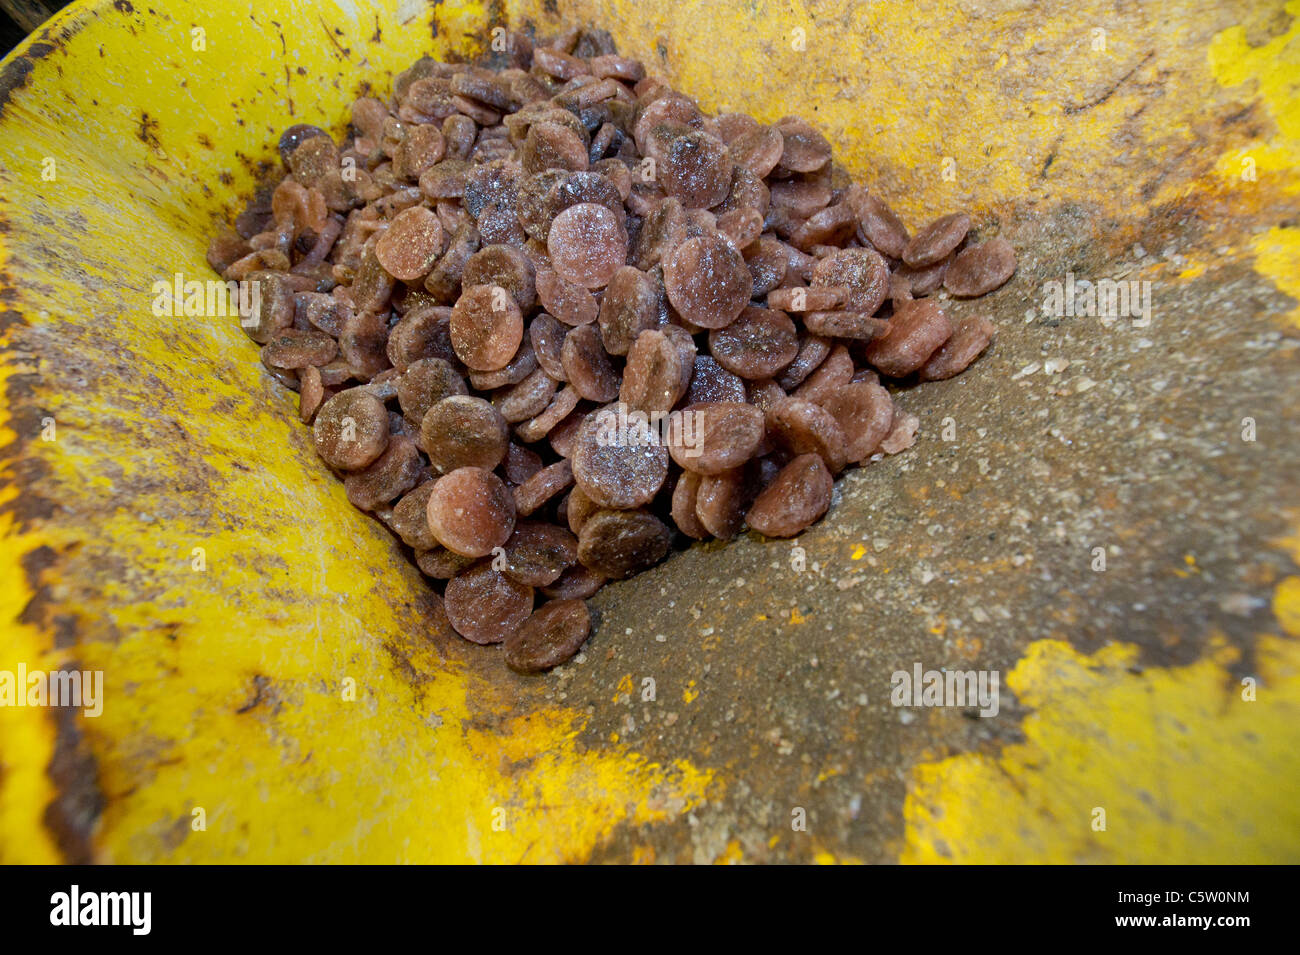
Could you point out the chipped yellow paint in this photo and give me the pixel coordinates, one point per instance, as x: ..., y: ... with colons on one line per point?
x: 1286, y: 605
x: 1274, y: 68
x: 795, y: 616
x: 690, y: 694
x: 857, y: 552
x: 624, y: 687
x: 731, y: 855
x: 1277, y: 257
x: 1172, y: 756
x: 225, y: 688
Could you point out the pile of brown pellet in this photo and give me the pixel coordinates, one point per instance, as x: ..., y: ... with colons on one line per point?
x: 542, y: 312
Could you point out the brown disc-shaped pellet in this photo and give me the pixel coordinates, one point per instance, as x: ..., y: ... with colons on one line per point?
x: 384, y: 385
x: 364, y: 343
x: 618, y: 544
x: 831, y: 375
x: 411, y: 245
x: 587, y: 365
x: 862, y: 271
x: 311, y: 393
x: 798, y: 496
x: 587, y: 244
x: 800, y: 198
x: 527, y: 399
x: 546, y: 337
x: 577, y: 508
x: 629, y: 306
x: 567, y: 301
x: 661, y: 231
x: 485, y: 606
x: 320, y: 311
x: 936, y: 240
x: 685, y: 345
x: 840, y: 324
x: 721, y: 502
x: 534, y: 429
x: 758, y: 150
x: 916, y: 331
x: 506, y: 267
x: 562, y: 435
x: 410, y: 518
x: 443, y: 282
x: 742, y: 226
x: 351, y: 430
x: 618, y: 459
x: 559, y: 64
x: 832, y: 226
x: 538, y: 201
x: 392, y: 474
x: 878, y: 224
x: 671, y: 108
x: 551, y: 636
x: 802, y: 427
x: 971, y: 336
x: 652, y: 377
x: 520, y: 367
x: 294, y: 348
x: 758, y: 344
x: 423, y: 332
x: 903, y: 434
x: 707, y: 281
x: 767, y: 265
x: 981, y: 268
x: 685, y: 494
x: 486, y: 327
x: 697, y: 170
x: 802, y: 299
x: 441, y: 564
x: 865, y: 413
x: 619, y: 67
x: 425, y: 383
x: 711, y: 382
x: 538, y: 553
x: 423, y: 147
x: 926, y: 279
x: 805, y: 149
x: 542, y: 486
x: 335, y: 373
x: 592, y: 187
x: 445, y: 180
x: 521, y: 463
x: 294, y: 136
x: 747, y: 190
x: 576, y: 583
x: 712, y: 437
x: 731, y: 126
x: 463, y: 431
x: 763, y: 394
x: 471, y: 511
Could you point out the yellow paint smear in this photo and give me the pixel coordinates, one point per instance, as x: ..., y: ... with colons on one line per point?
x: 1185, y: 769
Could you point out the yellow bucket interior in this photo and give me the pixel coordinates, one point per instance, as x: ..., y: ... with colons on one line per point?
x: 275, y: 688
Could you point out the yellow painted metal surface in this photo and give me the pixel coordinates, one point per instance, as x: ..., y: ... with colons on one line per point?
x: 315, y: 712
